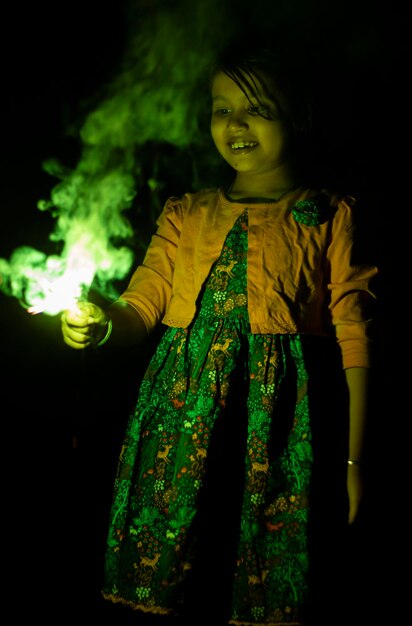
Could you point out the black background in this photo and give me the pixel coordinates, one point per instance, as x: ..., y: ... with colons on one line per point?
x: 63, y: 413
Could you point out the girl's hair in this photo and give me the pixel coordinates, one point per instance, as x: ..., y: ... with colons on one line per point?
x: 292, y: 70
x: 262, y: 68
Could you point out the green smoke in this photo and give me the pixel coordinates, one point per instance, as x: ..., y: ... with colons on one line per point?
x: 155, y: 97
x: 158, y: 99
x: 90, y: 229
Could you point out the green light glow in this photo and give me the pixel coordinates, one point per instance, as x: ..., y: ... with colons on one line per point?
x: 156, y: 96
x: 90, y: 223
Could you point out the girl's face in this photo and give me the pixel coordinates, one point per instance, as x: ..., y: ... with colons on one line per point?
x: 249, y: 143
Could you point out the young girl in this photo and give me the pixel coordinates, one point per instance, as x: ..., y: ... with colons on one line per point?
x: 220, y: 492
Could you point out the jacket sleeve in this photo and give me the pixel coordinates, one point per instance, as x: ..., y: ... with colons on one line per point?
x: 150, y: 287
x: 352, y: 299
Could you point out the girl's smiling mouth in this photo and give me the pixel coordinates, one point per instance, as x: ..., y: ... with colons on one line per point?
x: 242, y: 146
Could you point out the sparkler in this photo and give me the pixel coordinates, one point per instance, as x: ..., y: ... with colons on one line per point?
x: 60, y: 283
x: 51, y: 284
x: 154, y: 100
x: 91, y: 225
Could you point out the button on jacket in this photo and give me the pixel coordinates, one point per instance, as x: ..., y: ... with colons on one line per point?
x: 302, y: 276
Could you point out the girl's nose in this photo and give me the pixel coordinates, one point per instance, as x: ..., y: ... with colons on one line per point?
x: 237, y: 120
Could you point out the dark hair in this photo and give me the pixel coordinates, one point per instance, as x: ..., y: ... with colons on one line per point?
x: 261, y: 67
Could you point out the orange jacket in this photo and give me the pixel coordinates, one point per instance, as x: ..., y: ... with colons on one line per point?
x: 301, y: 274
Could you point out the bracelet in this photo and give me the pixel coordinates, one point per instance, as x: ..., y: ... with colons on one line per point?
x: 354, y: 462
x: 107, y: 335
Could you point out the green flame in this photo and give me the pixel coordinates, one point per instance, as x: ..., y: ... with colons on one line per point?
x: 90, y: 226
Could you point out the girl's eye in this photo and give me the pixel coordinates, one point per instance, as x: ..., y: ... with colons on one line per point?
x: 222, y: 111
x: 257, y: 109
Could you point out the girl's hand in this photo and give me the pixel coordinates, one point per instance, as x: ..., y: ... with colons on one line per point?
x: 84, y: 325
x: 356, y: 489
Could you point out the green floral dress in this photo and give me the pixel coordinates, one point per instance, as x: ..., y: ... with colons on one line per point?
x: 211, y: 496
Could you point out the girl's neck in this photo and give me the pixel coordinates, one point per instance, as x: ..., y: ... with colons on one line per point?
x: 272, y: 190
x: 269, y: 186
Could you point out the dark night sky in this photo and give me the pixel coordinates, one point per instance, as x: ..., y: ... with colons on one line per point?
x: 53, y: 62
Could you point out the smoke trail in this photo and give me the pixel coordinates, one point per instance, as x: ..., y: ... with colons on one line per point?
x: 155, y: 98
x: 152, y: 116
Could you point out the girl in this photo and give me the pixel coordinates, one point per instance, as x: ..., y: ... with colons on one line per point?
x: 221, y: 479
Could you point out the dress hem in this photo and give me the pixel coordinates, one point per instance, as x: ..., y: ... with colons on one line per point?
x: 158, y: 610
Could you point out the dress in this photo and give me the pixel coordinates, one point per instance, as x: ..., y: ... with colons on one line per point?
x: 214, y: 478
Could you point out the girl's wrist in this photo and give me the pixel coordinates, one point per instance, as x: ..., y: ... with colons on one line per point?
x: 354, y: 461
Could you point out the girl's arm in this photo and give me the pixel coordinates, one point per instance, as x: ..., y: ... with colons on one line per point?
x: 358, y: 381
x: 128, y: 327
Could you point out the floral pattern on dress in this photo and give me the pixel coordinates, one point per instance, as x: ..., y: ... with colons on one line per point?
x: 162, y: 472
